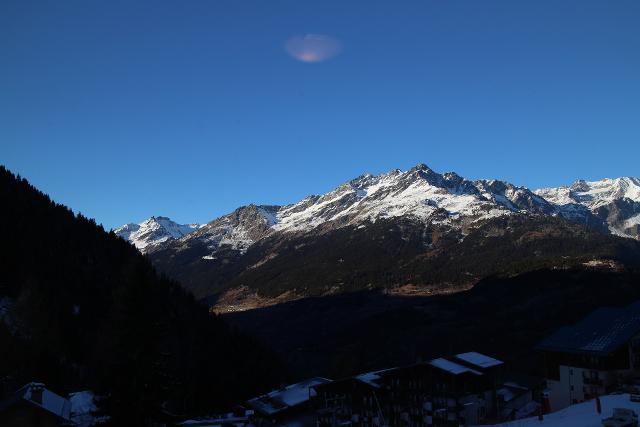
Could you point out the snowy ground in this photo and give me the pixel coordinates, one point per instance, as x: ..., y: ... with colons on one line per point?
x: 579, y: 415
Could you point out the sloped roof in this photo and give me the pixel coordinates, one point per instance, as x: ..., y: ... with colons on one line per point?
x: 51, y: 402
x: 278, y: 400
x: 478, y: 359
x: 600, y: 333
x: 452, y: 367
x: 371, y: 378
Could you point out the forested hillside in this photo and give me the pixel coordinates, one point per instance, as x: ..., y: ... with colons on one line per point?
x: 505, y: 316
x: 391, y: 253
x: 80, y: 309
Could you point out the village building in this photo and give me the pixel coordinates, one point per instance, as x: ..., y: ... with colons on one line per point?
x: 35, y: 405
x: 592, y: 357
x: 354, y: 400
x: 288, y: 405
x: 454, y: 391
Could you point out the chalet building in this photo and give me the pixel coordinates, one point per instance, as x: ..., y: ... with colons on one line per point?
x: 288, y: 405
x: 34, y: 405
x: 592, y: 357
x: 456, y: 391
x: 355, y: 400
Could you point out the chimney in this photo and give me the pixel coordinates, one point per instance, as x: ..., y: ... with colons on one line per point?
x: 36, y: 392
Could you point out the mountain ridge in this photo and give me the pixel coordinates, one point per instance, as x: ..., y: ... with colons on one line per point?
x: 415, y: 231
x: 608, y: 204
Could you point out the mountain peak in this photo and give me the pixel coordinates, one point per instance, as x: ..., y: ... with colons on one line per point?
x: 421, y: 166
x: 153, y: 231
x: 579, y: 185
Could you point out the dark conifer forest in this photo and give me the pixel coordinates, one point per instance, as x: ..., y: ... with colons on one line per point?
x: 82, y: 309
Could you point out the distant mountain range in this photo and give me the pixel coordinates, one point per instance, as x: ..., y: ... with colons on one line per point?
x: 420, y: 193
x: 611, y: 202
x: 422, y: 214
x: 379, y: 272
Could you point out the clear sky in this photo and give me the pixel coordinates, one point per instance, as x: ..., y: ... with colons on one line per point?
x: 189, y: 109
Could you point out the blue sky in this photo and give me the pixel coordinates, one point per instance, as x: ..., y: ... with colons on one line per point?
x: 127, y: 109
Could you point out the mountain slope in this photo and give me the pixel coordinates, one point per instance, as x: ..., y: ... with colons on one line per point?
x: 419, y: 194
x: 419, y: 228
x: 82, y: 309
x: 153, y: 231
x: 428, y: 197
x: 614, y: 202
x: 349, y: 333
x: 400, y: 255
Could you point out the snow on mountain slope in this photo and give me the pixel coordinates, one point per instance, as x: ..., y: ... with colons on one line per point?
x: 419, y: 193
x: 615, y: 202
x: 595, y: 193
x: 237, y: 230
x: 153, y: 231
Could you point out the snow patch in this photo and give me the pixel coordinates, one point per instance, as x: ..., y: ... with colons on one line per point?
x: 580, y: 415
x: 154, y: 231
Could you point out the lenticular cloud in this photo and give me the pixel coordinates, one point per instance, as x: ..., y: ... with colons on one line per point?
x: 313, y: 47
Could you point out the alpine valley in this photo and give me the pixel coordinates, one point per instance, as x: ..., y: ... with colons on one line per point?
x: 415, y: 232
x: 388, y: 269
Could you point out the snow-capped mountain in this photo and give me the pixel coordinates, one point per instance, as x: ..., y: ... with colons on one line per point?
x: 614, y: 202
x: 419, y: 194
x: 154, y: 231
x: 415, y: 227
x: 237, y: 230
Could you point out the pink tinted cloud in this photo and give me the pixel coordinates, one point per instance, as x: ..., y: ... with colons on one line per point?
x: 313, y: 47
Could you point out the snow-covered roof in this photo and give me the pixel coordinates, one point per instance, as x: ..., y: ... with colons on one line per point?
x: 369, y: 378
x: 506, y: 393
x: 510, y: 390
x: 48, y: 400
x: 478, y: 359
x: 600, y: 333
x: 372, y: 378
x: 292, y: 395
x: 452, y: 367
